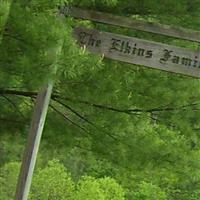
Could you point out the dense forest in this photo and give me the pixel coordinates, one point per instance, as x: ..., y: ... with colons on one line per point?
x: 114, y: 131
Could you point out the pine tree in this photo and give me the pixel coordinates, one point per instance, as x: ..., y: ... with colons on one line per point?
x: 106, y: 118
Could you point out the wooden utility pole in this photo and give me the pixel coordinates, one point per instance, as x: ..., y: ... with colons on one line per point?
x: 30, y: 154
x: 36, y: 129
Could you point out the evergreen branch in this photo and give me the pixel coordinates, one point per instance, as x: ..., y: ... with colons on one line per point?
x: 100, y: 106
x: 100, y: 153
x: 84, y: 119
x: 75, y: 124
x: 91, y: 123
x: 14, y: 105
x: 83, y: 148
x: 12, y: 121
x: 171, y: 109
x: 18, y: 93
x: 18, y: 38
x: 69, y: 120
x: 126, y: 111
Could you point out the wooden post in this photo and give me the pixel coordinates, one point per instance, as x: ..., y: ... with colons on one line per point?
x: 37, y: 125
x: 30, y: 154
x: 125, y: 22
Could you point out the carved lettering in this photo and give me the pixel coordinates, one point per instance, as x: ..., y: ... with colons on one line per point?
x: 115, y: 45
x: 195, y: 62
x: 141, y: 52
x: 91, y: 41
x: 98, y: 43
x: 166, y: 57
x: 82, y: 37
x: 135, y: 51
x: 175, y: 60
x: 187, y: 62
x: 127, y: 48
x: 88, y: 39
x: 149, y: 54
x: 122, y: 46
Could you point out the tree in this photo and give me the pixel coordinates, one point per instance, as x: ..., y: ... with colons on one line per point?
x: 88, y: 188
x: 111, y: 189
x: 105, y: 188
x: 149, y: 191
x: 137, y: 125
x: 52, y: 182
x: 8, y: 180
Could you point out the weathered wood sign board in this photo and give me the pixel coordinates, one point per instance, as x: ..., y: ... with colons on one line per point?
x: 107, y: 18
x: 140, y: 52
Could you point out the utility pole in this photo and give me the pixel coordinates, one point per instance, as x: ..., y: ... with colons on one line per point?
x: 30, y: 153
x: 36, y: 129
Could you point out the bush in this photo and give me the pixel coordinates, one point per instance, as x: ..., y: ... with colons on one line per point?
x: 148, y: 191
x: 52, y: 183
x: 8, y: 180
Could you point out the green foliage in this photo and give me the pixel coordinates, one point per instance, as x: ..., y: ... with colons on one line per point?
x: 8, y: 180
x: 152, y: 151
x: 96, y: 3
x: 148, y: 191
x: 90, y: 188
x: 30, y: 42
x: 111, y: 189
x: 4, y: 12
x: 52, y: 182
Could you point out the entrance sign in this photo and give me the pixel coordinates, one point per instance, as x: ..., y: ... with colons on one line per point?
x: 126, y: 22
x: 140, y: 52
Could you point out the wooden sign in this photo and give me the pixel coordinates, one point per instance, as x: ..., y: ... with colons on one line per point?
x: 141, y: 52
x: 106, y: 18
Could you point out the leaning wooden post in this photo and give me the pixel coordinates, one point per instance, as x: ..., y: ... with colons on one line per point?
x: 30, y: 153
x: 36, y: 129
